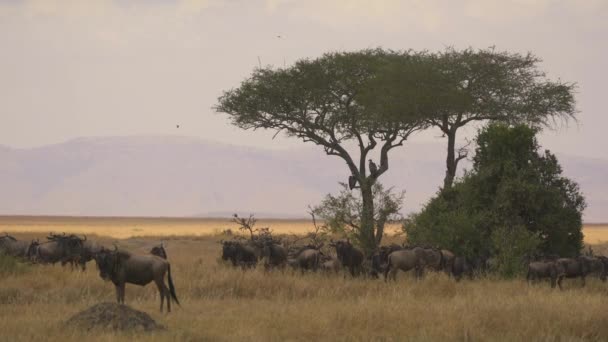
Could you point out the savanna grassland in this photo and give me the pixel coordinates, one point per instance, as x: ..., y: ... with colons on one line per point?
x: 221, y: 303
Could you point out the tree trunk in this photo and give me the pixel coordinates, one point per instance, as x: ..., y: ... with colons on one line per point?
x: 368, y: 239
x: 451, y: 161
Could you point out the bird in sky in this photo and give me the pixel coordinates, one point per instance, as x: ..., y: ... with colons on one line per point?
x: 177, y: 126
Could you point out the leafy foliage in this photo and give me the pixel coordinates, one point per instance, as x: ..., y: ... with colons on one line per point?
x: 342, y: 212
x: 470, y: 86
x: 513, y: 202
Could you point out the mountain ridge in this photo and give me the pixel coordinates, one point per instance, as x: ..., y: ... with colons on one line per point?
x: 151, y: 175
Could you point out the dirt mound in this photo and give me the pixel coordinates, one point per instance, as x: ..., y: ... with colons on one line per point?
x: 115, y: 317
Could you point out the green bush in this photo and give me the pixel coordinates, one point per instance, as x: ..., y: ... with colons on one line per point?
x: 513, y: 203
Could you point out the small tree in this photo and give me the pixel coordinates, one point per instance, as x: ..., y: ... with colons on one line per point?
x: 342, y: 212
x: 513, y: 202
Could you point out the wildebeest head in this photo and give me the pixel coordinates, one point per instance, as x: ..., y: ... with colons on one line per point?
x: 228, y: 250
x: 109, y: 261
x: 343, y: 248
x: 159, y: 251
x: 105, y: 263
x: 32, y: 249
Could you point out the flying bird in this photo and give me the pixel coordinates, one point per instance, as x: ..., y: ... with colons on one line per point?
x: 177, y: 126
x: 373, y: 168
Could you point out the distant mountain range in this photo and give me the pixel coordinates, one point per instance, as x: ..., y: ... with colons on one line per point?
x: 177, y: 176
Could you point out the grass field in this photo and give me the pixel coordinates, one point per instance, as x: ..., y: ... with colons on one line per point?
x: 220, y: 303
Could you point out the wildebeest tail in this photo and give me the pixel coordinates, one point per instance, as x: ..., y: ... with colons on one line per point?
x: 171, y: 286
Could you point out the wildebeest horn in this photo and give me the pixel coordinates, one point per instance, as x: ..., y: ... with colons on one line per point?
x: 85, y: 237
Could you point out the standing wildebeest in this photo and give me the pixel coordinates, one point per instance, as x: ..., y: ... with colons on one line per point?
x: 448, y: 260
x: 379, y: 259
x: 405, y: 260
x: 239, y: 254
x: 543, y: 269
x: 431, y: 257
x: 59, y: 248
x: 275, y: 254
x: 349, y: 256
x: 306, y: 259
x: 122, y: 267
x: 461, y: 266
x: 604, y: 261
x: 579, y: 267
x: 13, y: 247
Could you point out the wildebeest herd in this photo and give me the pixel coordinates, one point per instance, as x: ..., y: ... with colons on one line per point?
x: 116, y: 265
x: 122, y: 267
x: 388, y: 260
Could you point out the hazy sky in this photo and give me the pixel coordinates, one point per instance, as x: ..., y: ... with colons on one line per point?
x: 71, y: 68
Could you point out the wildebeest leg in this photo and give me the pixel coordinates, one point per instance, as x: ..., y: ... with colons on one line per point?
x: 161, y: 292
x: 386, y: 270
x: 122, y: 293
x: 559, y: 281
x: 118, y: 294
x: 583, y: 279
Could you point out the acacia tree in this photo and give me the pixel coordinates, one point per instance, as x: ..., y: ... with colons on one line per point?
x: 327, y: 101
x: 472, y: 86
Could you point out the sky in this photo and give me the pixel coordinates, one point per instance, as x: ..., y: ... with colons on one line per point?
x: 73, y: 68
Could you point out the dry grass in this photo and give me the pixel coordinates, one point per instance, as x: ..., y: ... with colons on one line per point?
x: 220, y: 303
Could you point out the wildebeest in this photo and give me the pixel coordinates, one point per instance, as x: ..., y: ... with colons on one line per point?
x: 13, y: 247
x: 275, y: 254
x: 447, y: 260
x: 538, y: 270
x: 59, y: 248
x: 405, y: 260
x: 239, y: 254
x: 579, y: 267
x: 379, y: 258
x: 306, y: 259
x: 604, y: 261
x: 461, y: 266
x: 122, y: 267
x: 431, y: 257
x: 350, y: 257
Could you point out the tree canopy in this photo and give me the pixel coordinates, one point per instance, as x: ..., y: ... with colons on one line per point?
x: 470, y: 86
x: 329, y: 101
